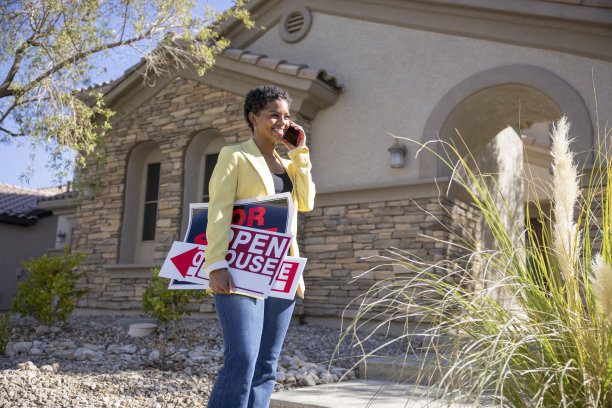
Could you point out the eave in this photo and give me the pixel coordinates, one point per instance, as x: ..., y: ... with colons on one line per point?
x: 236, y: 71
x: 570, y: 28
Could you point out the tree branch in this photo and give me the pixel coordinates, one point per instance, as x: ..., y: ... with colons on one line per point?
x: 82, y: 55
x: 125, y: 19
x: 8, y: 111
x: 10, y: 76
x: 13, y: 106
x: 10, y: 133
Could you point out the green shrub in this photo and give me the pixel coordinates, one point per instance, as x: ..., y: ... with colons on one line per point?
x: 5, y: 332
x: 165, y: 304
x: 49, y: 293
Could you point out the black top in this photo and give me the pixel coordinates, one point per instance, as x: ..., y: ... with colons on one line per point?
x: 282, y: 183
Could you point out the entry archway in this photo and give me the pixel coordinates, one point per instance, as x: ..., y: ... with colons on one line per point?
x: 502, y: 117
x: 519, y: 96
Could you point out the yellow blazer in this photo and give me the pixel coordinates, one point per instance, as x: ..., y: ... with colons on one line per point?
x: 241, y: 172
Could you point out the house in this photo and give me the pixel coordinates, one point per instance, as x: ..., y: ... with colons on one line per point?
x: 33, y: 222
x: 495, y: 72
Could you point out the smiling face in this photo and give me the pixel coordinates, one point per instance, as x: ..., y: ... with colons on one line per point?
x: 272, y: 121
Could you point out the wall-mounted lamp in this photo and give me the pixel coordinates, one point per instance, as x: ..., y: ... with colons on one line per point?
x: 398, y: 152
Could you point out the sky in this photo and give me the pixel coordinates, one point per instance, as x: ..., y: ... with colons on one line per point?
x: 15, y: 158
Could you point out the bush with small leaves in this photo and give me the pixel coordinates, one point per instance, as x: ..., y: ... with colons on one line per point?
x: 5, y: 332
x: 50, y: 293
x: 166, y: 304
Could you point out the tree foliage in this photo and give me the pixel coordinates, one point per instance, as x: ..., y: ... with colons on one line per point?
x: 50, y: 292
x: 49, y: 49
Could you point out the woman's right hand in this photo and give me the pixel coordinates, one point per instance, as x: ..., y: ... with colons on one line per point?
x: 302, y: 139
x: 220, y: 281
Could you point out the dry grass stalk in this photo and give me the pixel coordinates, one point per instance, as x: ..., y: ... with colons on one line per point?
x: 566, y: 191
x: 601, y: 282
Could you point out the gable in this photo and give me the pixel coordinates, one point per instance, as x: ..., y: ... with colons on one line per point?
x: 235, y: 71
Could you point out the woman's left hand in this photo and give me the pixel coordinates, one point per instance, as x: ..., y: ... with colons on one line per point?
x: 221, y: 282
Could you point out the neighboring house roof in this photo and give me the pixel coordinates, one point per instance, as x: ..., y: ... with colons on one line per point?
x: 18, y: 205
x: 62, y: 195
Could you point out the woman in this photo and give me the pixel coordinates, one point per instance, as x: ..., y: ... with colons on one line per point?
x: 253, y: 329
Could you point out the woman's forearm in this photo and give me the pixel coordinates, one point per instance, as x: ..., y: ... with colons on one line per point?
x: 304, y: 186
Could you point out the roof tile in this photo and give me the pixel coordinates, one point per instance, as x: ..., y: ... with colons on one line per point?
x: 270, y: 63
x: 282, y: 66
x: 251, y: 58
x: 290, y: 69
x: 309, y: 73
x: 233, y: 53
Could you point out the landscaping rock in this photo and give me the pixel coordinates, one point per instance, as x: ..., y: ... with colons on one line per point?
x: 23, y: 347
x: 95, y: 363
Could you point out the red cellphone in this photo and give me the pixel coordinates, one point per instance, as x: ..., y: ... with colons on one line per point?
x: 293, y: 136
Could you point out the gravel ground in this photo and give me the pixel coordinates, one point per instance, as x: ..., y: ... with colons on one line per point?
x: 92, y: 362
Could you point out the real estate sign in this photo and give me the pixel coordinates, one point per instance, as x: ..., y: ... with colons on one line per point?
x: 256, y: 255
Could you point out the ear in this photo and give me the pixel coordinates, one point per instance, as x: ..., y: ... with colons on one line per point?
x: 252, y: 118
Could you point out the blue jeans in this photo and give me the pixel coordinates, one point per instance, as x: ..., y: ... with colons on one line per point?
x: 253, y: 333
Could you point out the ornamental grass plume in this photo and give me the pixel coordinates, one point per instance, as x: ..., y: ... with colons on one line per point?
x: 601, y: 282
x: 565, y: 196
x: 553, y: 347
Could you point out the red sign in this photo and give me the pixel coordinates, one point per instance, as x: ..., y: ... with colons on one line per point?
x: 254, y: 257
x: 189, y: 263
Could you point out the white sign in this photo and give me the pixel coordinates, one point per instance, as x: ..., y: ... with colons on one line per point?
x: 255, y: 259
x: 184, y: 267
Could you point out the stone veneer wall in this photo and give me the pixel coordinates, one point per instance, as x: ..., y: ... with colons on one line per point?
x: 343, y: 244
x: 334, y: 238
x: 171, y: 119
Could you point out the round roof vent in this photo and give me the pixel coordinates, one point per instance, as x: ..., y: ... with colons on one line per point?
x: 295, y: 24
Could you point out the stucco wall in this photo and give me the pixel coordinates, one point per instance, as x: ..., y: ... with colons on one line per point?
x: 394, y: 76
x: 21, y: 243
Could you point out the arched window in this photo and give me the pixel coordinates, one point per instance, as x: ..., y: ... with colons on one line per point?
x: 151, y: 195
x: 209, y: 161
x: 140, y: 205
x: 200, y: 160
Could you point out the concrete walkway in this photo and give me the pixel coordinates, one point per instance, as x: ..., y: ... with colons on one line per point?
x: 364, y: 394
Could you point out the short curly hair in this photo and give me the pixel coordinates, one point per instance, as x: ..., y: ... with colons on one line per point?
x: 258, y: 98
